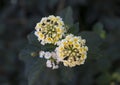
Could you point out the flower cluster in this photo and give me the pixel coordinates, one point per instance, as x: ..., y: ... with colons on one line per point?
x: 52, y: 61
x: 70, y: 50
x: 50, y: 30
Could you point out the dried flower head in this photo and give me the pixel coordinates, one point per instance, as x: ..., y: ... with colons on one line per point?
x: 72, y: 50
x: 50, y: 29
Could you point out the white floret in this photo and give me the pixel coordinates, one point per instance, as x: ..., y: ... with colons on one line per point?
x: 47, y: 55
x: 41, y: 54
x: 49, y: 64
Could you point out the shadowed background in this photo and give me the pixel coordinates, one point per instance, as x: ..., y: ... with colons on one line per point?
x: 19, y: 17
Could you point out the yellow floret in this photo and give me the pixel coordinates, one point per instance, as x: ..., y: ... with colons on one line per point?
x: 48, y: 39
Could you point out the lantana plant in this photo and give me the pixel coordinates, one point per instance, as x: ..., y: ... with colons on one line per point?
x: 68, y: 49
x: 59, y: 42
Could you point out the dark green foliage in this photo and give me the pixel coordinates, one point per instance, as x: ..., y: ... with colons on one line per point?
x: 99, y: 29
x: 96, y: 69
x: 97, y: 63
x: 66, y: 14
x: 99, y: 21
x: 33, y: 39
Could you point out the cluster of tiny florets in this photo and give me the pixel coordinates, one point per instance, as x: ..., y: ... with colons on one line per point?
x: 51, y: 58
x: 70, y: 50
x: 50, y: 30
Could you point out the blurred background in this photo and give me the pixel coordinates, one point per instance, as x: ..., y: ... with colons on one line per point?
x: 19, y: 17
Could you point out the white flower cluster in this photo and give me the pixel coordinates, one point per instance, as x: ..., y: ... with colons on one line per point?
x: 50, y: 30
x: 70, y: 50
x: 51, y: 57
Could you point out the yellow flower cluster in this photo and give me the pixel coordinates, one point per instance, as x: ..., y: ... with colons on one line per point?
x: 72, y: 50
x: 50, y: 29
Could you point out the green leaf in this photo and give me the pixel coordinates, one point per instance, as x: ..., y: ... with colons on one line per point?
x: 67, y: 73
x: 99, y: 29
x: 34, y: 71
x: 74, y: 29
x: 48, y: 47
x: 26, y: 53
x: 39, y: 74
x: 67, y: 16
x: 34, y: 65
x: 87, y: 75
x: 93, y: 41
x: 32, y: 39
x: 111, y: 47
x: 103, y: 64
x: 95, y: 55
